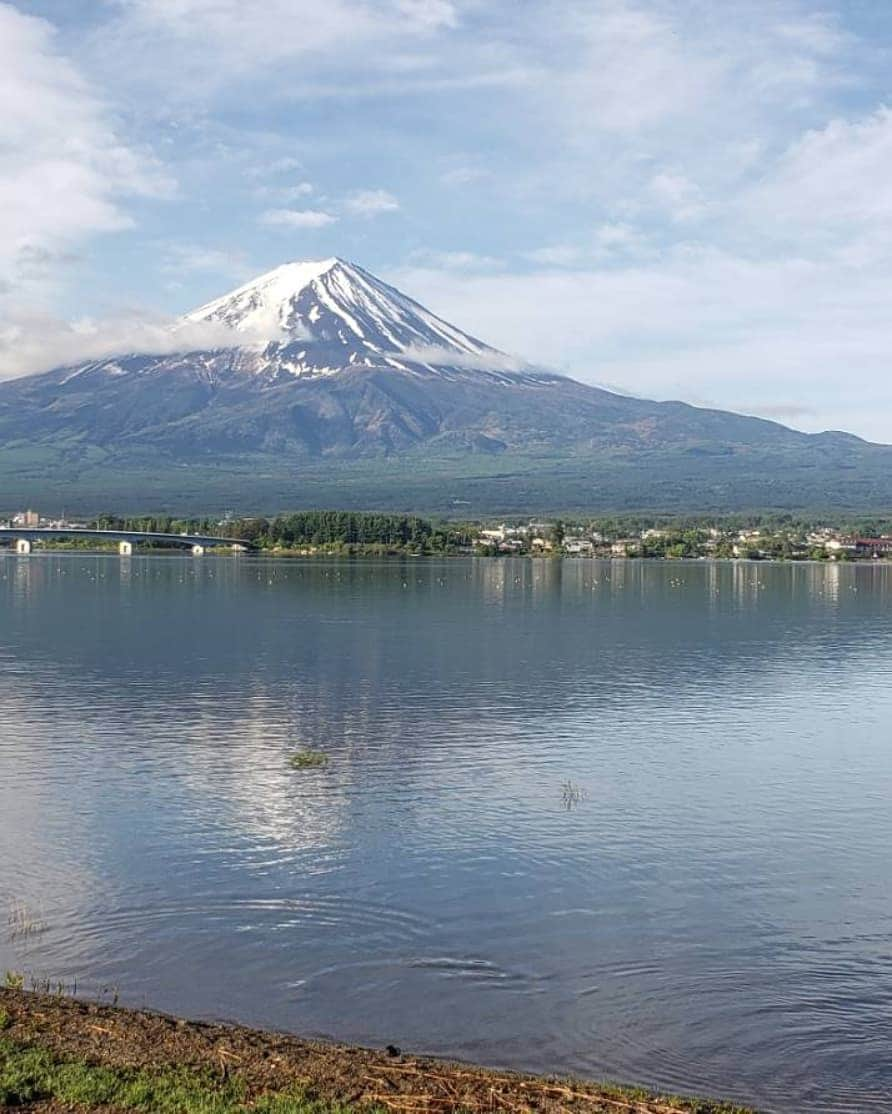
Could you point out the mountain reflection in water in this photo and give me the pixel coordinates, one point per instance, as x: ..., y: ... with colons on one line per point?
x: 713, y: 914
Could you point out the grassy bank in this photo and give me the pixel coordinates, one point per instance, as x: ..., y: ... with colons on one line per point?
x: 64, y: 1054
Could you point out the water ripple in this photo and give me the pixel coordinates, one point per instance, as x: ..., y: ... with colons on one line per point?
x: 710, y: 910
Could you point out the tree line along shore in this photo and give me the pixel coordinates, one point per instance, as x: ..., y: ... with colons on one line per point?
x: 59, y: 1053
x: 355, y: 533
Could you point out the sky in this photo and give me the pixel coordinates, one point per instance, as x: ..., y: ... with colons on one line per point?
x: 670, y: 198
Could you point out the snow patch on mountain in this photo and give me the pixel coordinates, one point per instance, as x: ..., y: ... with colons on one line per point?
x: 301, y: 320
x: 265, y: 305
x: 322, y: 316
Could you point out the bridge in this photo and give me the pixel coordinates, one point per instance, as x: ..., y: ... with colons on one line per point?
x: 23, y: 538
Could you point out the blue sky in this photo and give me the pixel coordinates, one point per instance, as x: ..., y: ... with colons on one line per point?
x: 678, y: 199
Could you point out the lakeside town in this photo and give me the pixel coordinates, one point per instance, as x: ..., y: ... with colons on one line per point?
x: 347, y: 533
x: 764, y: 542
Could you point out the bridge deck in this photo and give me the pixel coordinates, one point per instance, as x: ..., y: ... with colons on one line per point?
x: 13, y: 533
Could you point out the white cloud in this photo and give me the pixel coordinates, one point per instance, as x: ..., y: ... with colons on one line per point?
x: 302, y: 189
x: 429, y: 15
x: 282, y: 165
x: 679, y: 196
x: 633, y: 69
x: 371, y: 203
x: 463, y: 174
x: 238, y: 33
x: 64, y: 170
x: 32, y: 341
x: 815, y: 32
x: 556, y: 255
x: 833, y: 185
x: 210, y: 45
x: 454, y: 260
x: 297, y: 218
x: 615, y: 239
x: 638, y: 105
x: 285, y: 193
x: 656, y: 109
x: 778, y: 411
x: 698, y: 324
x: 436, y: 356
x: 611, y: 241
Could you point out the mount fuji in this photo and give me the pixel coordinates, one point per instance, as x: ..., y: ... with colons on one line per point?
x: 322, y: 317
x: 317, y: 383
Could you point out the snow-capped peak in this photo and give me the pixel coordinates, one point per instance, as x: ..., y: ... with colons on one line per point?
x: 264, y: 306
x: 320, y: 316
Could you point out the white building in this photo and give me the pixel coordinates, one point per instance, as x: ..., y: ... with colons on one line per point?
x: 581, y: 547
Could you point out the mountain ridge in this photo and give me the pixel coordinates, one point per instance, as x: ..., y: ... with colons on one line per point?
x: 334, y: 373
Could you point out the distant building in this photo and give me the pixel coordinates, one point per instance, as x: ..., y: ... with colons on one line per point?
x: 873, y: 547
x: 497, y: 535
x: 581, y: 547
x: 29, y: 519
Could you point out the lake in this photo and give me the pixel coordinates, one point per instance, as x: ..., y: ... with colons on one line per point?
x: 623, y: 819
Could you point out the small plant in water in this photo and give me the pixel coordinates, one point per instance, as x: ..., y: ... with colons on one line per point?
x: 14, y: 980
x: 43, y: 984
x: 307, y: 759
x: 108, y: 994
x: 23, y: 924
x: 571, y: 794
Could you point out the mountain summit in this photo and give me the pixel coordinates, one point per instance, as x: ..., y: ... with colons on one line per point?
x: 319, y: 317
x: 322, y: 385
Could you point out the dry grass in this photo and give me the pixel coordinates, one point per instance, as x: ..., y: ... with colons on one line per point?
x: 273, y: 1072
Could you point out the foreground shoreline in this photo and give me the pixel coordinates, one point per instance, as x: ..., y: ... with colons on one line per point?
x: 65, y: 1054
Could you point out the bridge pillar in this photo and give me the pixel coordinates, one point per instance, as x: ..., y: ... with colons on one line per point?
x: 125, y: 549
x: 22, y: 546
x: 198, y: 551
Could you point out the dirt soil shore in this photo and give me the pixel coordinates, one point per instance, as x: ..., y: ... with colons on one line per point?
x: 268, y: 1063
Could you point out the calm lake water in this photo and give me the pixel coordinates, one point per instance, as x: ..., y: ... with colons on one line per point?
x: 709, y: 909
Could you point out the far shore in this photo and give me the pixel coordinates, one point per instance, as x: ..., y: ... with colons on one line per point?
x: 402, y: 555
x: 59, y: 1053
